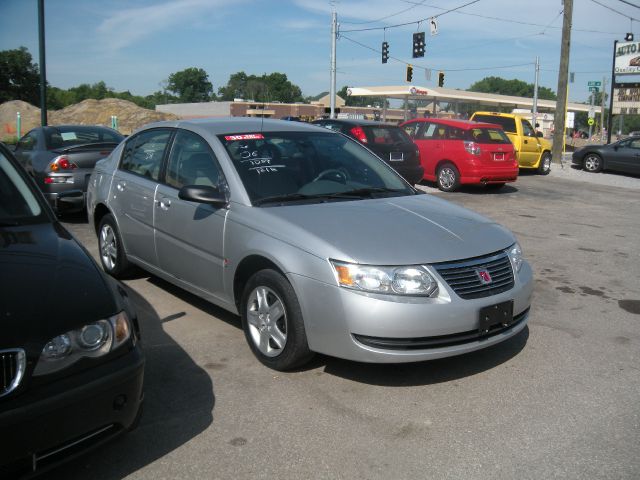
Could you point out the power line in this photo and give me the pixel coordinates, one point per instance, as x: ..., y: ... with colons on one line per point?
x: 512, y: 21
x: 616, y: 11
x: 424, y: 68
x: 411, y: 23
x: 388, y: 16
x: 628, y: 3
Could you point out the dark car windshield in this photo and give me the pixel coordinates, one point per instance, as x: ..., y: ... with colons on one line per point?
x: 70, y: 135
x: 308, y: 166
x: 487, y: 135
x: 18, y: 203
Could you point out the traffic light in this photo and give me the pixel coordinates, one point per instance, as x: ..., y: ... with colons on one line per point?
x: 409, y: 73
x: 441, y: 79
x: 385, y: 52
x: 418, y: 44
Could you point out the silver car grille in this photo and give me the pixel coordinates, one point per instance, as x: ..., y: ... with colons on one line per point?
x: 12, y: 365
x: 464, y: 277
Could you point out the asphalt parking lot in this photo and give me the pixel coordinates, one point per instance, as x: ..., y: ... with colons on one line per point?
x: 560, y: 400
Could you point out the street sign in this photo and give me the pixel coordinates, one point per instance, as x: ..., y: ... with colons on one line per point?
x: 594, y: 89
x: 592, y: 112
x: 594, y: 84
x: 591, y: 121
x: 570, y: 119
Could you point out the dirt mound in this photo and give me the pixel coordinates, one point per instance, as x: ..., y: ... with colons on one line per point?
x: 88, y: 112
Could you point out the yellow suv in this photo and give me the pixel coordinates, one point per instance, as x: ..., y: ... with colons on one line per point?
x: 532, y: 151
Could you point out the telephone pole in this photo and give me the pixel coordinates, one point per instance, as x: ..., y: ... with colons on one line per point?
x: 334, y: 37
x: 561, y: 102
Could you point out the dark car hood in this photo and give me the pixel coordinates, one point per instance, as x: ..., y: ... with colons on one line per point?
x: 48, y: 284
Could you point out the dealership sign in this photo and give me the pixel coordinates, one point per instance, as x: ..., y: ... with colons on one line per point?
x: 627, y: 61
x: 626, y: 99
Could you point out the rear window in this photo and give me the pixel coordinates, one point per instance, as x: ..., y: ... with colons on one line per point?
x: 488, y: 135
x: 508, y: 124
x: 385, y: 135
x: 68, y: 136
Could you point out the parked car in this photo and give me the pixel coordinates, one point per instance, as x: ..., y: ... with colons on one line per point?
x: 71, y: 366
x: 456, y: 152
x: 622, y: 156
x: 533, y: 151
x: 387, y: 141
x: 315, y: 242
x: 61, y: 158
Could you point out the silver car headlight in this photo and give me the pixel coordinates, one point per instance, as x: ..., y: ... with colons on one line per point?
x: 402, y: 280
x: 92, y: 340
x: 515, y: 254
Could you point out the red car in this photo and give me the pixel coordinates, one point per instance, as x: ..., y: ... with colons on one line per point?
x: 455, y: 152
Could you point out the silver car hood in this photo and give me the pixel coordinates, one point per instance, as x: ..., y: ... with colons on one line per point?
x: 407, y: 230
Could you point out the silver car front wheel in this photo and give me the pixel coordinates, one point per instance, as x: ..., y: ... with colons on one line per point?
x: 272, y: 321
x: 267, y: 321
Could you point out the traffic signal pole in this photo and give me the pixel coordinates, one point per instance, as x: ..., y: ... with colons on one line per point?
x: 334, y: 37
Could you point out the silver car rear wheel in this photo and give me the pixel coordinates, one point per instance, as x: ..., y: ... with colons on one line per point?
x: 112, y: 256
x: 272, y: 321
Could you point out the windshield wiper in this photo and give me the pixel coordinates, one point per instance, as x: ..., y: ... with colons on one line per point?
x: 367, y: 192
x: 7, y: 223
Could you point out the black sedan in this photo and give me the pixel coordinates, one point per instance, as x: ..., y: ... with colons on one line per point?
x: 622, y: 156
x: 71, y: 365
x: 389, y: 142
x: 61, y: 159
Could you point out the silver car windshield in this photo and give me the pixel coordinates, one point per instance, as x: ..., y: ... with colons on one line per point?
x: 280, y: 167
x: 18, y: 203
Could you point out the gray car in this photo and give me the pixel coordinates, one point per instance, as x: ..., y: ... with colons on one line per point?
x: 314, y: 241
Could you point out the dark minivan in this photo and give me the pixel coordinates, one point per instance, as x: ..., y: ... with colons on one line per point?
x: 389, y: 142
x: 71, y: 365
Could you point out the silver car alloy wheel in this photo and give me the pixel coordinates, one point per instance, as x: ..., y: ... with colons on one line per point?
x: 267, y: 319
x: 108, y: 247
x: 592, y: 163
x: 447, y: 177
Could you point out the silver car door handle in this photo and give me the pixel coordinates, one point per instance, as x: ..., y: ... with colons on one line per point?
x: 120, y: 186
x: 164, y: 204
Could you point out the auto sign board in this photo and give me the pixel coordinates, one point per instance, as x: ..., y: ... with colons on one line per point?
x: 627, y: 58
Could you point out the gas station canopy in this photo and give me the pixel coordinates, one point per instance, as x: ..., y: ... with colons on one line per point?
x: 448, y: 95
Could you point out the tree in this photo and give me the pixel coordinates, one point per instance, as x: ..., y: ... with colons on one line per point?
x: 191, y: 85
x: 19, y: 76
x: 266, y: 88
x: 516, y: 88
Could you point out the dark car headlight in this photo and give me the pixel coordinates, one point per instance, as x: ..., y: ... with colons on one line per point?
x: 91, y: 340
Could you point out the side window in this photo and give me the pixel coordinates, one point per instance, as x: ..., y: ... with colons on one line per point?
x: 143, y: 153
x: 430, y: 131
x: 527, y: 129
x: 28, y: 142
x: 455, y: 133
x: 635, y: 144
x: 411, y: 129
x: 191, y: 162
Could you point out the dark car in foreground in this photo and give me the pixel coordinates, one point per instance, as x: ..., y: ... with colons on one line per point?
x: 622, y: 156
x: 71, y: 365
x: 61, y: 159
x: 311, y: 238
x: 389, y: 142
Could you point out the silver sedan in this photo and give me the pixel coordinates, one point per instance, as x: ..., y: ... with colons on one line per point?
x: 315, y: 242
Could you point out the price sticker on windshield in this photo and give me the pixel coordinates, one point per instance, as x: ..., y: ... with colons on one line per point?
x: 246, y: 136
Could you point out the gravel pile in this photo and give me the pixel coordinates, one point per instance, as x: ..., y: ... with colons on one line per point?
x: 566, y: 171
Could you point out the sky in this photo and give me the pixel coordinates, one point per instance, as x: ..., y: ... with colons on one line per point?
x: 136, y: 44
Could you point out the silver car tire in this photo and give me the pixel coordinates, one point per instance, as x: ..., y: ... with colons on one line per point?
x: 110, y: 248
x: 448, y: 178
x: 545, y: 164
x: 592, y: 163
x: 272, y: 321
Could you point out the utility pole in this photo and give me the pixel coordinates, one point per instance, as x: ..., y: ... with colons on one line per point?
x: 534, y: 113
x: 559, y: 118
x: 334, y: 37
x: 43, y: 69
x: 602, y: 99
